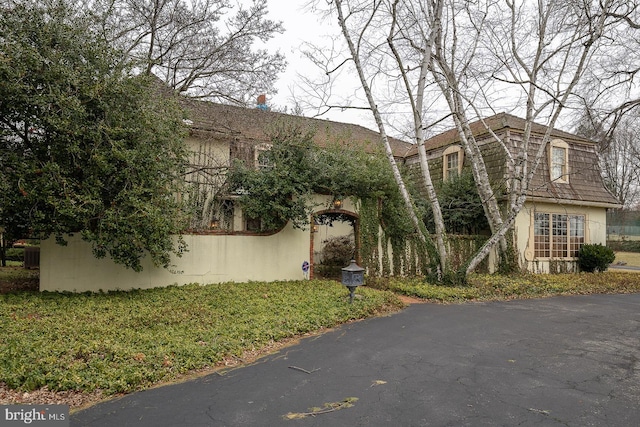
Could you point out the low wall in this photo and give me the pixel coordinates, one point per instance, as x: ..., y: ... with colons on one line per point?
x: 210, y: 259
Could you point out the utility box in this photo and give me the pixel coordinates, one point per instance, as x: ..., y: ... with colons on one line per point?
x: 32, y: 257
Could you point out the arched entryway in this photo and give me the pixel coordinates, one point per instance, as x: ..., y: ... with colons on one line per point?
x: 334, y: 241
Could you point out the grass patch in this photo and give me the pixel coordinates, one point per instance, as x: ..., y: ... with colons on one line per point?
x: 631, y: 258
x: 495, y: 287
x: 126, y: 341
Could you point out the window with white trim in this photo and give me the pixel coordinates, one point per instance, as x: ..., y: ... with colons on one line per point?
x: 558, y: 235
x: 452, y: 160
x: 559, y: 161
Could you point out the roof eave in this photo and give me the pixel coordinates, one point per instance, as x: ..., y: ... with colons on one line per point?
x: 573, y: 202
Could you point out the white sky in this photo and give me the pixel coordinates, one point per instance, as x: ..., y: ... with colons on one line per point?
x: 302, y: 25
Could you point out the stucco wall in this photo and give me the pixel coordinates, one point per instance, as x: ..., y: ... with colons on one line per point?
x: 595, y: 231
x: 211, y: 259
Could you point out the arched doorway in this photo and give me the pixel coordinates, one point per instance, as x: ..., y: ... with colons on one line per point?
x: 335, y: 241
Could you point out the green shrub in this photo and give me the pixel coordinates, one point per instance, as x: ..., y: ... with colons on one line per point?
x: 596, y: 257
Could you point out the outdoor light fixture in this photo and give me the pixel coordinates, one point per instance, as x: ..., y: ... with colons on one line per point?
x: 352, y: 277
x: 337, y: 203
x: 214, y: 224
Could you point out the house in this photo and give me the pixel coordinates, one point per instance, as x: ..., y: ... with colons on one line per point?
x: 224, y: 245
x: 566, y: 203
x: 566, y: 206
x: 220, y: 134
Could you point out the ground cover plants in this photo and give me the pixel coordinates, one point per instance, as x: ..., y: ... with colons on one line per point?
x: 15, y: 278
x: 485, y: 287
x: 126, y: 341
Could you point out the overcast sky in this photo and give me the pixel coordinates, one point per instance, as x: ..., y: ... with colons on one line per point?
x: 302, y: 25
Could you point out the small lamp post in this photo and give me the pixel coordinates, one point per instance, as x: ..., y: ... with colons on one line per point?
x: 352, y: 277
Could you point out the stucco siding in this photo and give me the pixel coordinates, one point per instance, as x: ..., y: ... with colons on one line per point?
x: 595, y: 232
x: 211, y: 259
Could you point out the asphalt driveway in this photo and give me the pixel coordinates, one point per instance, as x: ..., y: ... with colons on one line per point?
x: 563, y: 361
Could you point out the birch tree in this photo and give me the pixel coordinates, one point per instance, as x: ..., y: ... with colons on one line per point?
x: 475, y: 52
x: 359, y: 22
x: 536, y: 52
x: 541, y: 54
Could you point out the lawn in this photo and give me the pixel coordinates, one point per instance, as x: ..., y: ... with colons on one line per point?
x: 125, y: 341
x: 630, y: 258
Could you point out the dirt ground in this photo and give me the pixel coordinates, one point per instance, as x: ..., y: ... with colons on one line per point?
x: 18, y: 279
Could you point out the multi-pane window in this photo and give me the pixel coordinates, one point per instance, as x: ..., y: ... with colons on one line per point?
x: 558, y: 235
x: 559, y: 163
x: 263, y: 156
x: 541, y: 235
x: 452, y: 165
x: 452, y: 159
x: 576, y: 234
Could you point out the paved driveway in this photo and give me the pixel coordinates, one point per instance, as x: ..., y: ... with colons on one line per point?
x: 563, y: 361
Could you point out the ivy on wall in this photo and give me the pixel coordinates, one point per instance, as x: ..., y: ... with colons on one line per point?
x: 296, y: 168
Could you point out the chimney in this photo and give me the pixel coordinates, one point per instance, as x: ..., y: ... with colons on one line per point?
x: 262, y: 102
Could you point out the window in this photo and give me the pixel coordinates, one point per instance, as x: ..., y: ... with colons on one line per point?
x: 253, y: 224
x: 559, y: 161
x: 227, y: 211
x: 452, y: 162
x: 262, y: 156
x: 558, y: 235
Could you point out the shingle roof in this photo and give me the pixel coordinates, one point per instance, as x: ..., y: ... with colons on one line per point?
x: 253, y: 124
x: 584, y: 187
x: 495, y: 123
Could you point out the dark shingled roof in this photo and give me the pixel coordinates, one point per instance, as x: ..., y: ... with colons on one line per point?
x: 585, y: 186
x: 253, y: 124
x: 495, y: 123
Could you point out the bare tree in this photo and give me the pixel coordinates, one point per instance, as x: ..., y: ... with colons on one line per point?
x: 206, y: 48
x: 357, y: 21
x: 619, y: 153
x: 611, y: 87
x: 475, y: 51
x: 540, y: 52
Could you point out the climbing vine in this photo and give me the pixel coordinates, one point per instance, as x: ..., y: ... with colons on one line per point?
x: 295, y: 169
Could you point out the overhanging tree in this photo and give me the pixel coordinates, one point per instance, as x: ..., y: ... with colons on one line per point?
x: 85, y: 146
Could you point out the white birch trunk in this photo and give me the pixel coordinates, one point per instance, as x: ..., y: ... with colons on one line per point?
x: 419, y: 227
